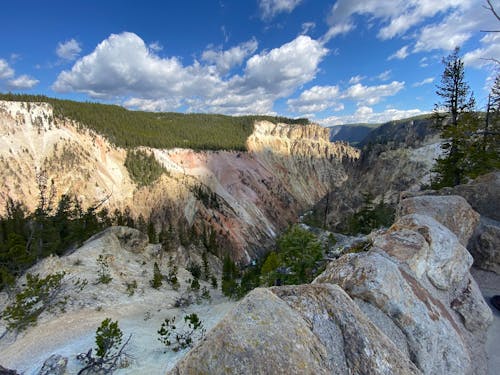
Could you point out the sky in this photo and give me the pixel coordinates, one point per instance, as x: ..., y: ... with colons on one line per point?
x: 333, y: 61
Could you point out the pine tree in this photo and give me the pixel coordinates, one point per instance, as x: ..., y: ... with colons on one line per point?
x: 458, y: 125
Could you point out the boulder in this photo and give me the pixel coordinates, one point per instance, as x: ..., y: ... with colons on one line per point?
x: 443, y: 258
x: 483, y: 194
x: 485, y: 246
x: 432, y: 334
x: 308, y: 329
x: 54, y: 365
x: 130, y: 239
x: 452, y: 211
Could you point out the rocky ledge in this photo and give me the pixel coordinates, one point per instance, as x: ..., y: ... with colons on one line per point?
x: 409, y: 305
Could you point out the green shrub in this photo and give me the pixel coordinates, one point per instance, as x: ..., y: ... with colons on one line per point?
x: 195, y: 269
x: 131, y: 287
x: 38, y: 295
x: 178, y: 338
x: 156, y: 282
x: 109, y: 351
x: 103, y: 275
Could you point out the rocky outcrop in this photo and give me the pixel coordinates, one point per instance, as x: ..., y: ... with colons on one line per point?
x: 485, y: 246
x: 308, y: 329
x: 54, y: 365
x: 407, y: 306
x: 483, y: 194
x: 452, y: 211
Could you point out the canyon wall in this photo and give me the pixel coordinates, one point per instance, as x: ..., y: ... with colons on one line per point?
x: 287, y: 169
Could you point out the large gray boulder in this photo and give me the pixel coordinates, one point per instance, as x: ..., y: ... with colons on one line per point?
x: 485, y: 246
x: 452, y: 211
x: 483, y: 194
x: 308, y: 329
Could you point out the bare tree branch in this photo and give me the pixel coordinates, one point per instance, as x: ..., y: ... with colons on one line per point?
x: 491, y: 8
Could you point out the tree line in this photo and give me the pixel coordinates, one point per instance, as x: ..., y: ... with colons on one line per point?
x: 131, y: 129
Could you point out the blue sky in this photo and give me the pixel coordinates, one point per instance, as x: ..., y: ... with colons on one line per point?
x: 334, y: 61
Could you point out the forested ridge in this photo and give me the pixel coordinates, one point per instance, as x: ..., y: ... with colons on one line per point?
x: 129, y: 129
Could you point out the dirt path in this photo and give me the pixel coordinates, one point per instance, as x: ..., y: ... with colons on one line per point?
x: 489, y: 283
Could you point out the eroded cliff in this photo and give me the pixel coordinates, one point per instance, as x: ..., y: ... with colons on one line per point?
x: 287, y: 169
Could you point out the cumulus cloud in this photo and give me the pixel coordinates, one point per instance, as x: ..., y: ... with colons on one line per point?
x: 5, y: 70
x: 270, y: 8
x: 22, y: 82
x: 487, y: 54
x: 123, y: 67
x: 400, y: 54
x: 226, y: 60
x: 425, y: 81
x: 366, y: 114
x: 316, y: 99
x: 68, y: 50
x: 370, y: 95
x: 320, y: 98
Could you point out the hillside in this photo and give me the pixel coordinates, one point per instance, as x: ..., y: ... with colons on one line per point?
x: 255, y: 194
x: 128, y: 129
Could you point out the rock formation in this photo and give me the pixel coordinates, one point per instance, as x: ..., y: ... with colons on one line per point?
x: 287, y: 170
x: 407, y: 306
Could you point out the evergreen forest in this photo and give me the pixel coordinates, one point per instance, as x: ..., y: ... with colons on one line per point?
x: 129, y: 129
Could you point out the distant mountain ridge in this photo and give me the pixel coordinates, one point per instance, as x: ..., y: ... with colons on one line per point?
x: 352, y: 133
x: 361, y: 134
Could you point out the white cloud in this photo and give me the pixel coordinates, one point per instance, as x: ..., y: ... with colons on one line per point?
x: 483, y: 56
x: 384, y: 76
x: 156, y: 46
x: 433, y: 25
x: 226, y: 60
x: 124, y: 68
x: 5, y: 70
x: 22, y: 82
x: 287, y: 67
x: 270, y: 8
x: 68, y: 50
x: 316, y: 99
x: 366, y: 114
x: 338, y: 29
x: 307, y: 26
x: 370, y: 95
x: 15, y: 83
x: 397, y: 16
x: 356, y: 79
x: 425, y: 81
x: 154, y: 105
x: 400, y: 54
x: 320, y: 98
